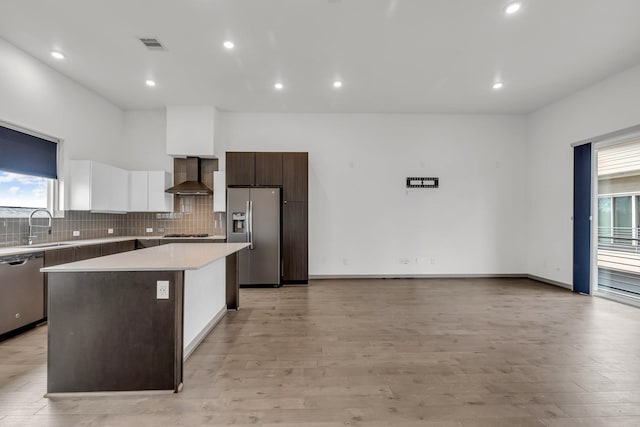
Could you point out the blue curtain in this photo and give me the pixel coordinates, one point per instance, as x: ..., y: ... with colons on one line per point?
x: 27, y: 154
x: 582, y: 218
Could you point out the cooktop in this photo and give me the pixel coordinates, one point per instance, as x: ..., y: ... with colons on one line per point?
x: 187, y: 235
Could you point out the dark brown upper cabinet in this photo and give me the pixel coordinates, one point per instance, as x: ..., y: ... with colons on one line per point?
x: 295, y: 176
x: 268, y: 168
x: 241, y: 168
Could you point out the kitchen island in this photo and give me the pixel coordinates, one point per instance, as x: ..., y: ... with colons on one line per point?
x: 127, y: 322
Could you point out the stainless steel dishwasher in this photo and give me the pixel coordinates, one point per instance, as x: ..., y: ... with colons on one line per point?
x: 21, y: 290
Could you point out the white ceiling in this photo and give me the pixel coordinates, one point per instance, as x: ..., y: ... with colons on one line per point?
x: 393, y: 55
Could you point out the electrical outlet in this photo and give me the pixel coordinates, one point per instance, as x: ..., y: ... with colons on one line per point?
x: 162, y: 291
x: 109, y: 230
x: 149, y: 230
x: 345, y: 261
x: 404, y: 261
x: 76, y: 233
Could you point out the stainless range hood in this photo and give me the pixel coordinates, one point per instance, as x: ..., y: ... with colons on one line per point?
x: 192, y: 186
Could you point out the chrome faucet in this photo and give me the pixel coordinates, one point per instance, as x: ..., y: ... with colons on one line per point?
x: 32, y: 225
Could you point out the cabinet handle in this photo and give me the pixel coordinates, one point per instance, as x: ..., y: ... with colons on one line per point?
x: 17, y: 315
x: 285, y: 202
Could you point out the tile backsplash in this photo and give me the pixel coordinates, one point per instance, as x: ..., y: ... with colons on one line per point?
x: 194, y: 215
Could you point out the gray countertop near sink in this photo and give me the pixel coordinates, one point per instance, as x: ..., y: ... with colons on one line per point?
x: 16, y: 250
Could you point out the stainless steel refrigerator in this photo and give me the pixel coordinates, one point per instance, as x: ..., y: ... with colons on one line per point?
x: 253, y: 216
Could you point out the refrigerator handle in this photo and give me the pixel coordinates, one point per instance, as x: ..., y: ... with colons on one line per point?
x: 250, y: 225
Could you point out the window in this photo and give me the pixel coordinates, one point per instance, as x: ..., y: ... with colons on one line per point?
x: 605, y: 230
x: 619, y: 220
x: 23, y: 191
x: 622, y: 220
x: 28, y: 172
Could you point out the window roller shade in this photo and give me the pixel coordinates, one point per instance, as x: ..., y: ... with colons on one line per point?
x: 27, y: 154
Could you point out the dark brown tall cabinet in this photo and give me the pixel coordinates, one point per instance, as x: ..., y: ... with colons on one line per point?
x: 291, y: 172
x: 295, y: 217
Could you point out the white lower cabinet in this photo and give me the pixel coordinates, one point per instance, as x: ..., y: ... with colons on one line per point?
x: 97, y: 187
x: 147, y: 191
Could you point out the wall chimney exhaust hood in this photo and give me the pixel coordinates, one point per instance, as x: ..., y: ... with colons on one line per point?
x: 192, y: 186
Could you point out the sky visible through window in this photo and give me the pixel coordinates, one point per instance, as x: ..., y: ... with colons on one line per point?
x: 22, y: 191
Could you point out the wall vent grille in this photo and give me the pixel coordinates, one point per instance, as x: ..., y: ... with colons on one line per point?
x: 152, y: 43
x: 423, y: 182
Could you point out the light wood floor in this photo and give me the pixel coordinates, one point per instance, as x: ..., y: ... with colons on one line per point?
x: 463, y: 353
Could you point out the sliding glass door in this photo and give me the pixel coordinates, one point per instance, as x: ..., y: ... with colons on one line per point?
x: 618, y: 214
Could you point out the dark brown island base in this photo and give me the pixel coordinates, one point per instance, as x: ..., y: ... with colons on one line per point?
x: 127, y: 322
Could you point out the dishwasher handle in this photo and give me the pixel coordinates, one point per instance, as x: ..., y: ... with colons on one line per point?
x: 18, y: 260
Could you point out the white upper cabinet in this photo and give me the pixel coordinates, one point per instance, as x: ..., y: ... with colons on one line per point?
x: 138, y: 191
x: 219, y: 192
x: 158, y: 199
x: 146, y: 191
x: 97, y: 187
x: 190, y: 130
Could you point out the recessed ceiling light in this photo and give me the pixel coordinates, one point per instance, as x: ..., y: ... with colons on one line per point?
x: 57, y: 54
x: 278, y: 86
x: 150, y: 83
x: 497, y: 85
x: 228, y: 44
x: 512, y: 8
x: 337, y: 84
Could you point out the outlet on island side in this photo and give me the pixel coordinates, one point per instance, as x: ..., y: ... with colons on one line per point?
x: 76, y: 233
x: 162, y: 291
x: 109, y: 230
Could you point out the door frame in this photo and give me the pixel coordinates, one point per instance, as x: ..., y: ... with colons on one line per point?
x: 605, y: 140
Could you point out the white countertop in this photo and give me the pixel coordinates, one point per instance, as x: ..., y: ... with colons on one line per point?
x: 17, y: 250
x: 170, y: 257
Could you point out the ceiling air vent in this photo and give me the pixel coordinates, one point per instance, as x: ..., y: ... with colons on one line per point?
x: 152, y: 43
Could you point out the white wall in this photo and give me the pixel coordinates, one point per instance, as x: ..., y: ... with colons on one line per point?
x: 362, y: 219
x: 145, y: 136
x: 608, y: 106
x: 505, y: 180
x: 35, y: 96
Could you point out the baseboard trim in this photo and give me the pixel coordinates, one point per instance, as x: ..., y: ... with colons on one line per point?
x: 416, y: 276
x: 442, y: 276
x: 75, y: 395
x: 549, y: 281
x: 203, y: 333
